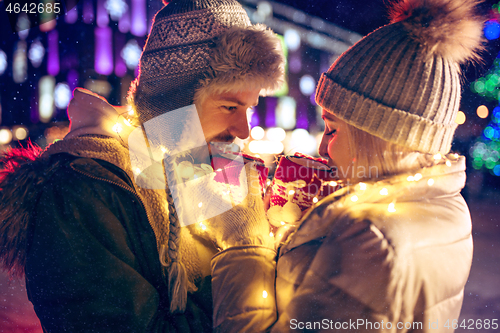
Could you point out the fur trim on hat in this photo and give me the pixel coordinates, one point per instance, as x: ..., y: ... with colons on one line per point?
x: 449, y: 28
x: 244, y: 59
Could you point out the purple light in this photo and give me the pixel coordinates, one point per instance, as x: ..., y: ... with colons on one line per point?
x: 120, y: 66
x: 102, y: 14
x: 103, y: 50
x: 139, y: 19
x: 302, y: 121
x: 124, y: 22
x: 88, y: 12
x: 255, y: 120
x: 71, y: 15
x: 271, y: 104
x: 295, y: 64
x: 53, y: 53
x: 72, y: 79
x: 312, y: 99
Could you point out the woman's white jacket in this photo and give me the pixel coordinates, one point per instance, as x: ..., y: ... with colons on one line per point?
x: 386, y: 256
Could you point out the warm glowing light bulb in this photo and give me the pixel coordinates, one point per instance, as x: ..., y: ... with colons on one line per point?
x: 384, y: 191
x: 291, y: 192
x: 257, y: 133
x: 117, y: 128
x: 460, y: 119
x: 264, y: 294
x: 333, y: 183
x: 410, y: 178
x: 282, y: 223
x: 315, y: 199
x: 271, y: 234
x: 448, y: 163
x: 417, y: 177
x: 362, y: 186
x: 137, y: 171
x: 126, y: 122
x: 391, y: 208
x: 430, y: 182
x: 354, y: 198
x: 437, y: 156
x: 200, y: 204
x: 482, y: 111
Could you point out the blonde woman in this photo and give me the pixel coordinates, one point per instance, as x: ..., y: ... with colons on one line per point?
x: 391, y: 251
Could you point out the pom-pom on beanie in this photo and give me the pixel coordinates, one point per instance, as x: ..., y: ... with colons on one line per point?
x: 401, y: 83
x: 207, y: 44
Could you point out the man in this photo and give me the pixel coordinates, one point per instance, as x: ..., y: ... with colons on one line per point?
x: 100, y: 250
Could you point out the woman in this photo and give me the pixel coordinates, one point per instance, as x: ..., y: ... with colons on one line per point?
x: 392, y: 250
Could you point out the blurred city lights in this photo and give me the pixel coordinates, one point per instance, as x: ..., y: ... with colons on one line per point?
x: 460, y: 119
x: 46, y: 98
x: 20, y: 66
x: 103, y: 50
x: 62, y: 95
x: 302, y: 141
x: 20, y: 133
x: 102, y: 18
x: 307, y: 85
x: 71, y: 15
x: 124, y: 23
x: 491, y: 30
x: 292, y: 39
x: 257, y: 133
x: 276, y: 134
x: 131, y: 54
x: 36, y: 53
x: 285, y: 112
x: 23, y: 26
x: 265, y: 147
x: 53, y: 53
x: 3, y: 62
x: 482, y: 111
x: 5, y: 136
x: 139, y: 18
x: 264, y: 10
x: 116, y: 8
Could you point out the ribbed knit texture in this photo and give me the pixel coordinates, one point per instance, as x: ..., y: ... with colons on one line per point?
x: 389, y: 86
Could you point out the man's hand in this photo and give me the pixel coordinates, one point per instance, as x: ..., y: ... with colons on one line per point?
x: 246, y: 223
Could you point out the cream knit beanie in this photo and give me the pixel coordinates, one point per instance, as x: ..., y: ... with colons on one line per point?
x: 401, y: 83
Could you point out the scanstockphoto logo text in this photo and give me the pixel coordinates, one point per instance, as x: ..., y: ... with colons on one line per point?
x: 364, y: 324
x: 359, y: 324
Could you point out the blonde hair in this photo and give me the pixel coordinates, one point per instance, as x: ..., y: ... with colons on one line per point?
x: 378, y: 158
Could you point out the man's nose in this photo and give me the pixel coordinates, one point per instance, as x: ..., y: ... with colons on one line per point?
x: 240, y: 128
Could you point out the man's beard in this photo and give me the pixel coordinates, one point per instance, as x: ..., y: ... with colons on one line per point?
x: 223, y: 137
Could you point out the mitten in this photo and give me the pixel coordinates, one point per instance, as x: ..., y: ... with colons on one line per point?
x: 245, y: 223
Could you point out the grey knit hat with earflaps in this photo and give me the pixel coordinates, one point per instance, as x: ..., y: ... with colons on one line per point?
x: 401, y: 83
x: 196, y: 44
